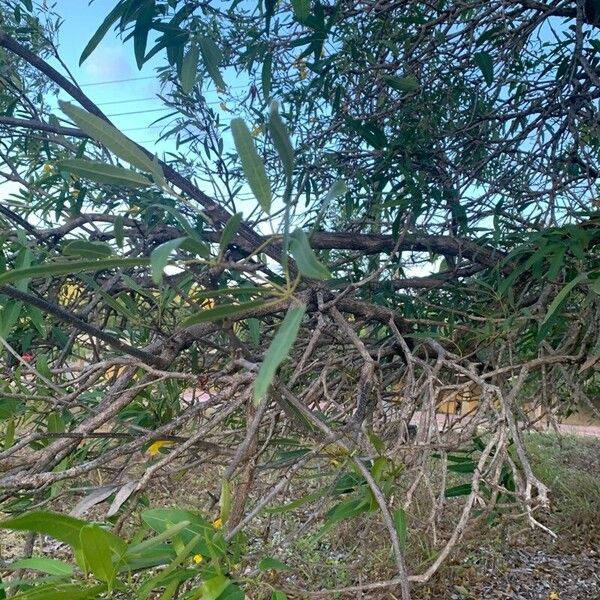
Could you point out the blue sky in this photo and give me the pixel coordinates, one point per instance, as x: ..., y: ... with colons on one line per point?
x: 110, y: 76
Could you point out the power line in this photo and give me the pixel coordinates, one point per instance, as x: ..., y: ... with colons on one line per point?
x: 116, y: 81
x: 138, y: 112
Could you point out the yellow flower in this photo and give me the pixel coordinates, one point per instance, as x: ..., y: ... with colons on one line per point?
x: 154, y: 448
x: 47, y: 168
x: 198, y: 558
x: 218, y: 523
x: 256, y: 130
x: 553, y: 596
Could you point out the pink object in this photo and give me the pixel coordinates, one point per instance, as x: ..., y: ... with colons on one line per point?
x: 194, y: 395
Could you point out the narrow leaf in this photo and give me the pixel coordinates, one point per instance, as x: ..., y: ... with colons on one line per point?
x: 97, y: 552
x: 301, y: 9
x: 281, y: 140
x: 401, y: 524
x: 272, y: 564
x: 212, y: 59
x: 189, y: 68
x: 306, y: 259
x: 51, y: 566
x: 111, y: 18
x: 67, y: 268
x: 278, y: 351
x: 253, y: 166
x: 103, y: 132
x: 221, y: 312
x: 229, y: 231
x: 102, y: 173
x: 160, y: 257
x: 484, y: 61
x: 87, y: 249
x: 225, y: 500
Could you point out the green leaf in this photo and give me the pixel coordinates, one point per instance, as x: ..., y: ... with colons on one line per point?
x: 484, y: 61
x: 160, y: 257
x: 305, y: 258
x: 103, y: 173
x: 401, y: 524
x: 278, y: 595
x: 301, y: 9
x: 111, y: 18
x: 212, y: 59
x: 225, y: 500
x: 87, y: 249
x: 229, y: 231
x: 52, y: 566
x: 96, y: 549
x: 458, y: 490
x: 272, y: 564
x: 281, y: 140
x: 60, y: 591
x: 189, y: 68
x: 267, y: 75
x: 119, y: 231
x: 556, y: 303
x: 254, y: 331
x: 143, y: 24
x: 103, y: 132
x: 212, y: 588
x: 162, y: 519
x: 221, y: 312
x: 252, y: 165
x: 67, y: 268
x: 410, y: 83
x: 61, y: 527
x: 467, y: 466
x: 278, y: 351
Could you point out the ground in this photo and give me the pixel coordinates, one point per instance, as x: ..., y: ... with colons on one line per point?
x: 517, y: 563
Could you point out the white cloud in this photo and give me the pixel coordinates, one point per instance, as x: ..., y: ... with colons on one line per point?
x: 108, y: 63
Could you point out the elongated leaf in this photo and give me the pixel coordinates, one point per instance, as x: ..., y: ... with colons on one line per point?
x: 97, y: 551
x: 67, y: 268
x: 60, y: 591
x: 111, y: 18
x: 301, y: 9
x: 103, y: 132
x: 225, y: 500
x: 267, y: 75
x: 160, y: 257
x: 60, y: 527
x: 401, y: 524
x: 189, y: 68
x: 95, y: 497
x: 119, y: 231
x: 281, y: 140
x: 51, y: 566
x: 458, y: 490
x: 103, y: 173
x: 121, y: 497
x: 557, y: 302
x: 87, y: 249
x: 213, y: 588
x: 272, y: 564
x: 212, y: 59
x: 306, y: 259
x: 278, y: 351
x: 484, y: 61
x: 221, y: 312
x: 404, y: 84
x: 140, y: 32
x: 229, y: 231
x: 253, y: 166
